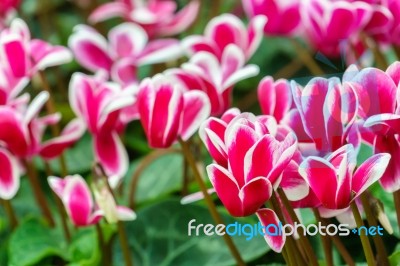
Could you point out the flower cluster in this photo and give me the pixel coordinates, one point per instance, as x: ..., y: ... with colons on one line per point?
x: 331, y: 26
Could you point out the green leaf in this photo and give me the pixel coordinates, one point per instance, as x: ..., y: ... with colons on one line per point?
x: 84, y: 249
x: 79, y: 158
x: 162, y: 177
x: 32, y: 241
x: 394, y: 259
x: 160, y: 237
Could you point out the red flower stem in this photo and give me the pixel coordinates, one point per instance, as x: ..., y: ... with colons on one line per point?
x: 124, y: 244
x: 291, y: 252
x: 304, y: 240
x: 364, y: 239
x: 38, y: 192
x: 60, y: 207
x: 378, y: 242
x: 146, y: 162
x: 339, y: 246
x: 12, y: 218
x: 55, y: 129
x: 98, y: 172
x: 396, y: 198
x: 326, y: 243
x: 213, y: 210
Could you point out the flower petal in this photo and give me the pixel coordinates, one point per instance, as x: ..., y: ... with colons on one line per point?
x: 9, y: 175
x: 268, y: 217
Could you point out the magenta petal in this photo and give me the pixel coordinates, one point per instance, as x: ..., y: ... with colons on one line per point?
x: 239, y: 139
x: 293, y: 184
x: 182, y: 20
x: 263, y: 148
x: 16, y: 136
x: 127, y: 39
x: 376, y: 92
x: 394, y: 72
x: 226, y: 188
x: 254, y: 194
x: 255, y: 34
x: 390, y: 180
x: 160, y: 106
x: 196, y: 109
x: 268, y: 217
x: 369, y: 172
x: 321, y: 176
x: 71, y: 133
x: 106, y: 11
x: 90, y: 49
x: 78, y: 201
x: 9, y: 175
x: 227, y: 29
x: 16, y: 56
x: 111, y: 153
x: 57, y: 184
x: 212, y: 133
x: 159, y: 51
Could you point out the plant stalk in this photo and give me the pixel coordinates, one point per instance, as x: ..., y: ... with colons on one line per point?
x: 304, y: 240
x: 325, y: 242
x: 213, y: 210
x: 38, y: 192
x: 378, y: 242
x: 12, y: 218
x: 364, y: 239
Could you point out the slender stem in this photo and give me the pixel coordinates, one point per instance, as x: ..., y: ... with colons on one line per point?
x: 10, y: 213
x: 307, y: 59
x: 124, y: 244
x: 396, y: 198
x: 51, y: 109
x: 304, y: 240
x: 278, y: 210
x: 339, y: 245
x: 100, y: 173
x: 378, y: 242
x: 364, y: 239
x: 100, y: 237
x: 60, y: 207
x: 213, y: 210
x: 38, y: 192
x: 325, y: 242
x: 149, y: 159
x: 397, y: 51
x: 380, y: 58
x: 185, y: 179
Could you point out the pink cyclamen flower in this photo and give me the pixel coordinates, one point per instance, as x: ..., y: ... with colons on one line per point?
x: 330, y: 105
x: 225, y: 30
x: 283, y: 16
x: 25, y: 56
x: 333, y: 181
x: 8, y: 5
x: 329, y: 24
x: 99, y: 104
x: 275, y: 97
x: 157, y: 17
x: 247, y: 182
x: 25, y: 130
x: 216, y: 78
x: 78, y: 201
x: 126, y: 49
x: 168, y: 111
x: 383, y: 116
x: 9, y: 175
